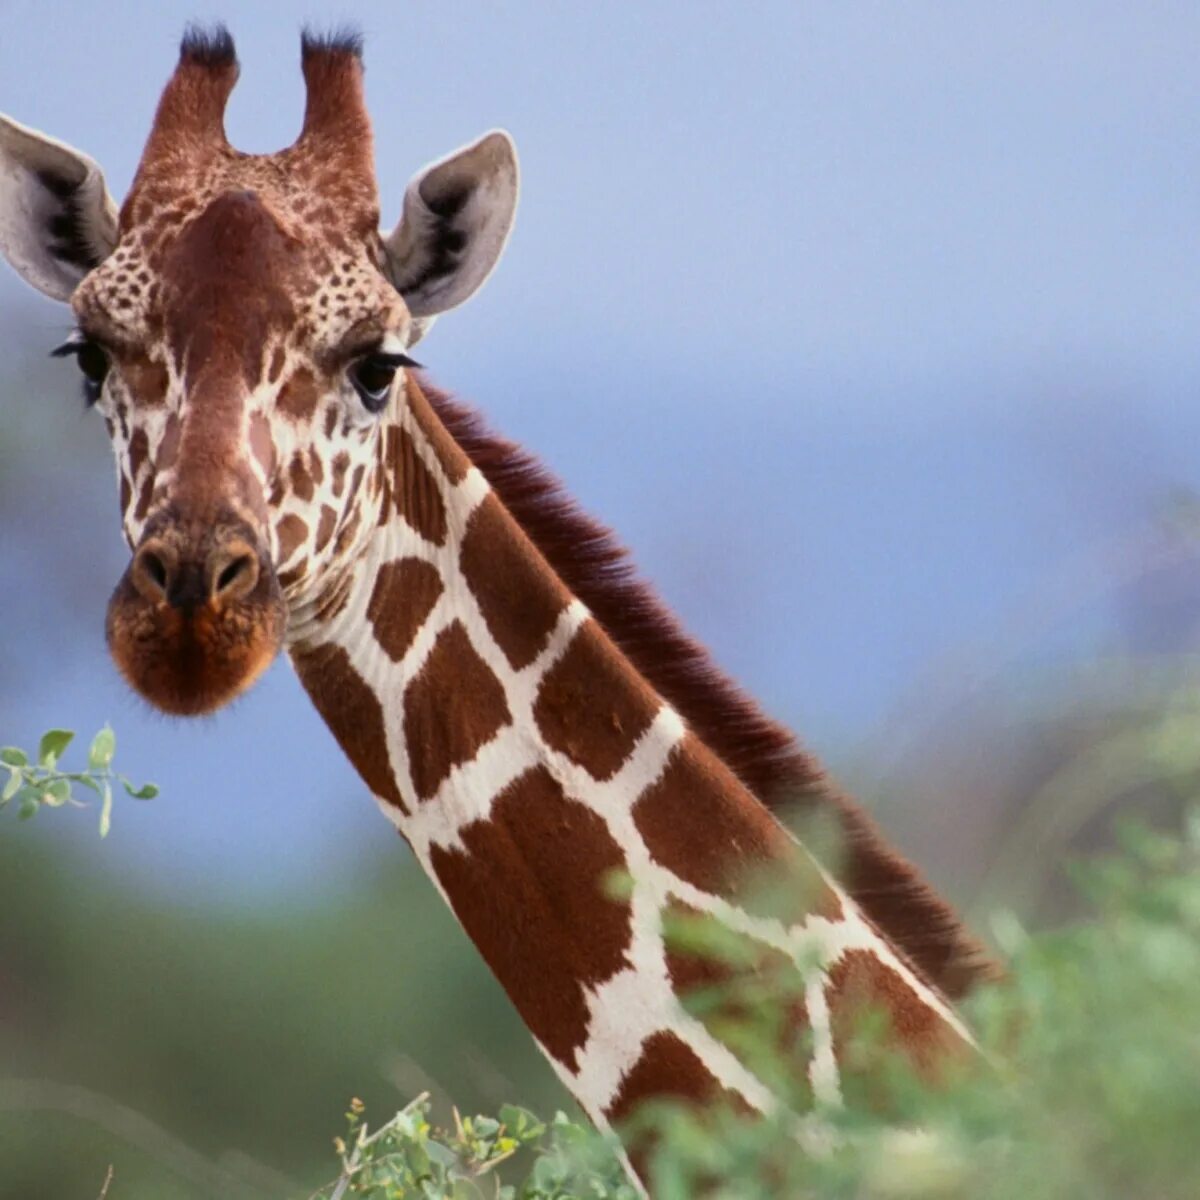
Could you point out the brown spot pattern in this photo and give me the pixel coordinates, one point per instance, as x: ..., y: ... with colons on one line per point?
x: 353, y: 713
x: 591, y: 706
x: 404, y: 594
x: 530, y: 892
x: 734, y: 993
x: 341, y: 463
x: 347, y: 532
x: 325, y: 527
x: 300, y: 479
x: 291, y: 531
x: 293, y: 574
x: 299, y: 395
x: 519, y: 596
x: 699, y: 822
x: 450, y: 455
x: 145, y: 495
x: 876, y: 1014
x: 764, y: 755
x: 356, y: 479
x: 453, y: 707
x: 139, y: 451
x: 414, y: 490
x: 667, y: 1068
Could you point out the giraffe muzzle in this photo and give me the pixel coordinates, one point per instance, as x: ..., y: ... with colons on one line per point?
x: 197, y: 616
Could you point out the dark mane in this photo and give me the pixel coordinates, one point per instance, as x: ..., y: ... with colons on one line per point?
x: 764, y: 755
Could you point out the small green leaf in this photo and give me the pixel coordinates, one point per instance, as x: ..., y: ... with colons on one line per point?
x: 521, y: 1124
x: 442, y: 1155
x: 146, y: 792
x: 56, y: 793
x: 485, y: 1127
x: 29, y: 807
x: 52, y: 745
x: 11, y: 756
x: 103, y: 747
x: 106, y: 811
x: 86, y: 780
x: 11, y: 787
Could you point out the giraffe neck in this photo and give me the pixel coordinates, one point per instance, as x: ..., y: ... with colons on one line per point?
x: 527, y: 762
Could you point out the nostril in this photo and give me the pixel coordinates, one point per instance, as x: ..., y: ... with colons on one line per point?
x: 153, y: 569
x: 239, y: 568
x: 233, y: 572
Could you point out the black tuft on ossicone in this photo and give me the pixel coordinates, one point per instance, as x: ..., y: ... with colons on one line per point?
x: 207, y: 46
x: 345, y: 39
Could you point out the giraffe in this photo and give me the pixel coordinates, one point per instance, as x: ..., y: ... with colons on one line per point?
x: 524, y: 710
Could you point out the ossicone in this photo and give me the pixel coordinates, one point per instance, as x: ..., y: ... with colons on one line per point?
x: 191, y: 114
x: 335, y: 111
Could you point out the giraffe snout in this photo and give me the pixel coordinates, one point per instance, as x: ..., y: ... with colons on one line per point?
x: 197, y: 616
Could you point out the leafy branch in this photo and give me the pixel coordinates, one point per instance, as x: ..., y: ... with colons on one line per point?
x: 33, y: 784
x: 407, y: 1158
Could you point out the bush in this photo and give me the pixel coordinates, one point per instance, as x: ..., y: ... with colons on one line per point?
x: 1089, y: 1085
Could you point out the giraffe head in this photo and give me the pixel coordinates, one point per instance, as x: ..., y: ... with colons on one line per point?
x: 242, y: 326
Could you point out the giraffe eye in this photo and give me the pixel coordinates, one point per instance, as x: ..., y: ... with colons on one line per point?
x: 93, y: 362
x: 373, y: 375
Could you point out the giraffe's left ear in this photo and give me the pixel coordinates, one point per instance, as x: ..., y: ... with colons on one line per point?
x: 457, y: 216
x: 57, y: 220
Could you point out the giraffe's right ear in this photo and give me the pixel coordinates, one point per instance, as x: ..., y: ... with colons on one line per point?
x: 457, y: 216
x: 57, y: 220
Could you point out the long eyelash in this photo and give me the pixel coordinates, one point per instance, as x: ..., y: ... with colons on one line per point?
x: 72, y: 345
x: 395, y: 360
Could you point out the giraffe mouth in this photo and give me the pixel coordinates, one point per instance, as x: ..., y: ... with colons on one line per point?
x: 195, y: 620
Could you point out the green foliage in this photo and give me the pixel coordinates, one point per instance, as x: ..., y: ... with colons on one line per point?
x: 409, y: 1159
x: 1087, y: 1085
x: 38, y: 783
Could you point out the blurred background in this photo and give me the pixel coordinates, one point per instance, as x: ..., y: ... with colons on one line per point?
x: 871, y: 328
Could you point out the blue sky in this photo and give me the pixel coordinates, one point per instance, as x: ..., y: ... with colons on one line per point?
x: 865, y: 324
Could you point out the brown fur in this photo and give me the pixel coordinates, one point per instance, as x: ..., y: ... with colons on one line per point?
x: 860, y: 990
x: 725, y: 840
x: 454, y: 680
x: 764, y: 755
x: 412, y: 488
x: 531, y: 878
x: 405, y: 591
x: 497, y: 567
x: 352, y: 712
x: 667, y: 1069
x: 590, y: 708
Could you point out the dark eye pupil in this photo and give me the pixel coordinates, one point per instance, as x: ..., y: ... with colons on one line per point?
x: 93, y: 363
x: 375, y: 376
x: 372, y: 378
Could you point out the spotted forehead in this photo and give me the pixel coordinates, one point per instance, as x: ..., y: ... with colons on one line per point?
x: 248, y: 231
